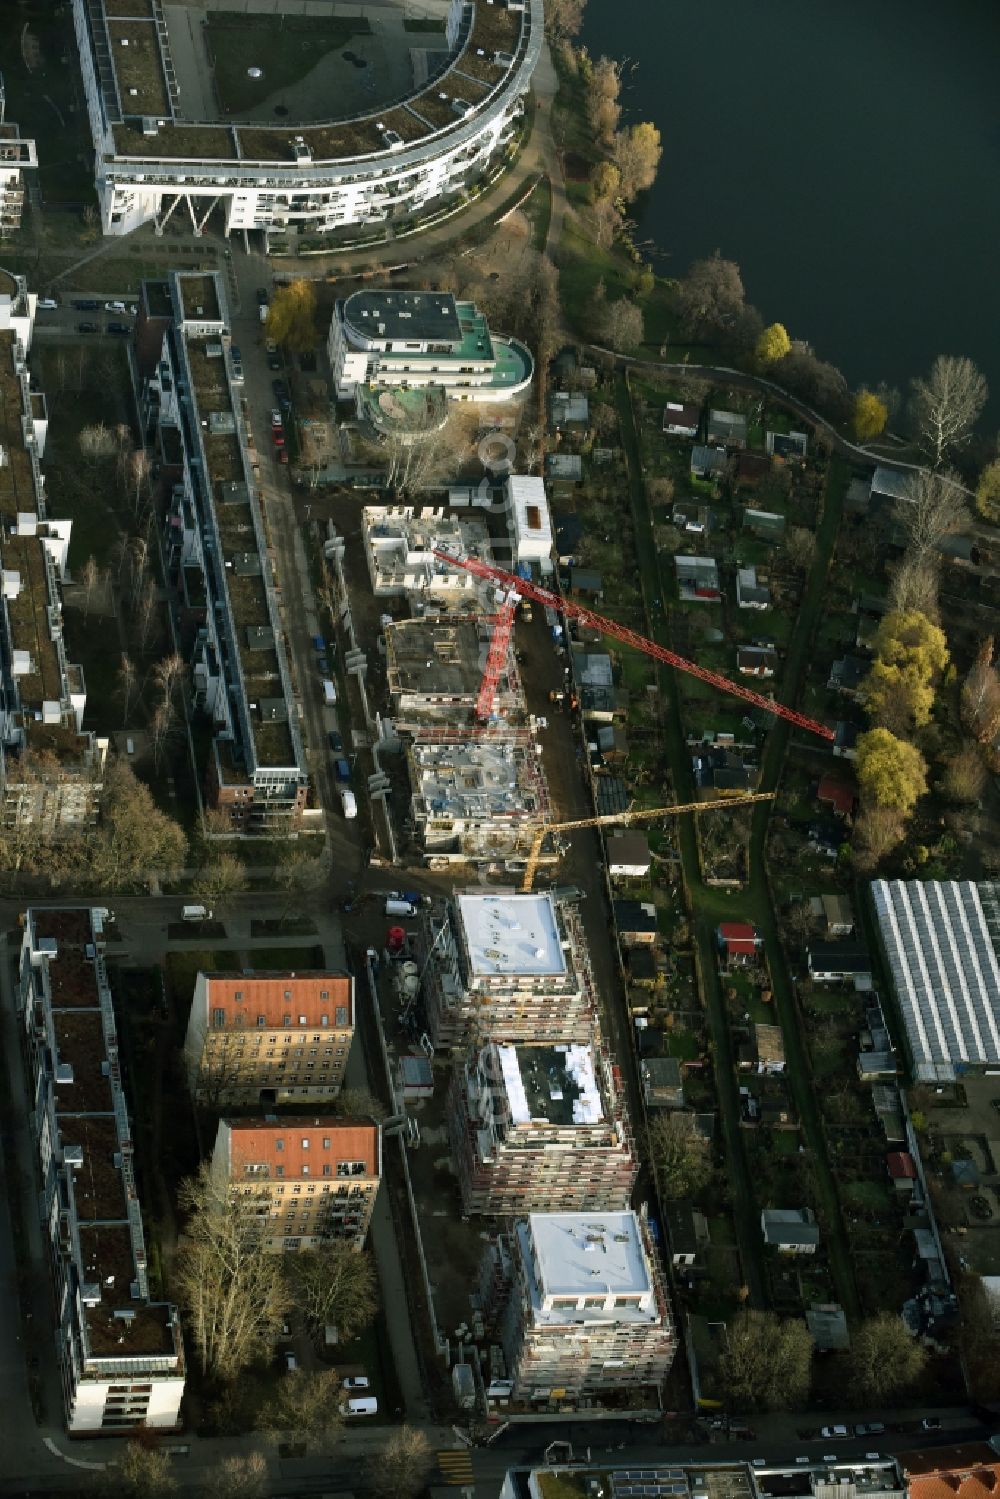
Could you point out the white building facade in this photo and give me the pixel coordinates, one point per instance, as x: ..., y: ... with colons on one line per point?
x: 16, y: 156
x: 293, y: 180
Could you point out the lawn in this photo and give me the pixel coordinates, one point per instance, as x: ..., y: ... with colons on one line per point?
x: 286, y: 47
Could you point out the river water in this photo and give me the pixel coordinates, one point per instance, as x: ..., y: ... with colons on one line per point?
x: 845, y: 152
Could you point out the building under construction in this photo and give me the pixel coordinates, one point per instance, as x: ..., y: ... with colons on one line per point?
x: 399, y: 549
x: 479, y: 801
x: 508, y: 966
x: 434, y: 668
x: 541, y: 1128
x: 579, y: 1303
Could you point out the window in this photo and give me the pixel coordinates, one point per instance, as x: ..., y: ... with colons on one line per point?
x: 303, y: 1020
x: 261, y: 1020
x: 279, y: 1170
x: 287, y: 1019
x: 288, y: 993
x: 238, y: 994
x: 341, y: 1014
x: 305, y: 1143
x: 326, y: 1142
x: 305, y: 1170
x: 218, y: 1019
x: 327, y: 1171
x: 324, y: 1020
x: 279, y: 1144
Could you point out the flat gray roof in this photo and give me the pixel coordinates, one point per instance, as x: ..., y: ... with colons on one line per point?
x: 511, y: 934
x: 576, y: 1253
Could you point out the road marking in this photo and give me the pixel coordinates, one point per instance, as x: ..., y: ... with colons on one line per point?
x: 456, y: 1466
x: 76, y: 1462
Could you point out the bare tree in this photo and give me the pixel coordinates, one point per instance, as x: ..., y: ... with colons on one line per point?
x: 161, y: 726
x: 90, y: 576
x: 622, y: 325
x: 711, y: 295
x: 239, y: 1478
x: 143, y: 1472
x: 679, y: 1154
x: 139, y: 474
x: 146, y: 612
x: 221, y: 875
x: 800, y: 548
x: 306, y: 1406
x: 134, y: 840
x: 168, y: 674
x: 335, y: 1284
x: 126, y: 685
x: 403, y: 1465
x: 298, y: 874
x: 965, y: 776
x: 933, y: 507
x: 945, y: 407
x: 97, y: 441
x: 980, y: 699
x: 914, y: 585
x: 232, y: 1288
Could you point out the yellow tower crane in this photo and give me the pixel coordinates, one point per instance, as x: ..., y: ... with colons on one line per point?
x: 641, y: 814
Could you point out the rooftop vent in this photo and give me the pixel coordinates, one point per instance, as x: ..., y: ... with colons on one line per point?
x: 64, y: 1072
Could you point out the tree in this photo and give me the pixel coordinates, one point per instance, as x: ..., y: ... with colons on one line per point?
x: 870, y: 415
x: 356, y: 1103
x: 298, y: 873
x: 934, y: 507
x: 766, y: 1361
x: 605, y: 182
x: 877, y: 831
x: 679, y: 1154
x: 898, y: 698
x: 90, y: 577
x: 914, y: 586
x: 126, y: 685
x: 964, y: 778
x: 660, y: 490
x: 221, y: 875
x: 711, y: 295
x: 291, y: 316
x: 335, y: 1284
x: 403, y: 1465
x: 885, y: 1359
x: 773, y: 344
x: 232, y: 1288
x: 306, y: 1406
x: 910, y: 654
x: 814, y: 380
x: 603, y: 108
x: 636, y: 153
x: 134, y: 841
x: 144, y: 1473
x: 800, y: 548
x: 563, y: 18
x: 239, y: 1478
x: 891, y: 773
x: 980, y: 700
x: 988, y: 493
x: 97, y: 441
x: 622, y: 325
x: 946, y: 405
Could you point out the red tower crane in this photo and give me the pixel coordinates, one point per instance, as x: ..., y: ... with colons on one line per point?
x: 502, y: 626
x: 523, y: 588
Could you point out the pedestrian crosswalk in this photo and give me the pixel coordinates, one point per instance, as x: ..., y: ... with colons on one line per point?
x: 456, y: 1466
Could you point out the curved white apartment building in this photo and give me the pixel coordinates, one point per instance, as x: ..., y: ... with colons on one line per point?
x: 288, y: 179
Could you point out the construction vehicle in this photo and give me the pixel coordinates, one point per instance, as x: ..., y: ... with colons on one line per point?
x: 640, y: 814
x: 517, y: 588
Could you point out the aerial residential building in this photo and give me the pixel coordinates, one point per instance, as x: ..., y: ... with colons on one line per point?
x: 584, y: 1308
x: 121, y: 1356
x: 790, y: 1230
x: 419, y: 340
x: 165, y: 142
x: 434, y: 668
x: 16, y: 156
x: 475, y: 802
x: 219, y: 570
x: 940, y: 942
x: 255, y: 1039
x: 313, y: 1181
x: 510, y: 966
x: 50, y: 769
x: 541, y: 1128
x: 399, y: 549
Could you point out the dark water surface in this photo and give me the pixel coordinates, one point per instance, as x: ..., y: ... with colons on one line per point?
x: 845, y: 152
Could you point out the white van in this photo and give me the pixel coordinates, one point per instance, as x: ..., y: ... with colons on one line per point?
x: 329, y: 693
x: 361, y: 1405
x: 396, y: 907
x: 349, y: 802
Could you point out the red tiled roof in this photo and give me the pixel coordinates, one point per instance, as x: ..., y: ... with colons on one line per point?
x: 838, y: 793
x: 257, y: 1141
x: 275, y: 995
x: 735, y: 931
x: 901, y: 1164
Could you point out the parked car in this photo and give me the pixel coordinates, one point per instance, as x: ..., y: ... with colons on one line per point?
x: 836, y: 1432
x: 275, y: 418
x: 47, y: 304
x: 319, y: 644
x: 342, y: 770
x: 356, y: 1382
x: 279, y: 437
x: 931, y: 1423
x: 280, y: 389
x: 87, y: 304
x: 283, y: 457
x: 323, y: 666
x: 87, y: 328
x: 122, y: 329
x: 291, y: 1362
x: 115, y: 307
x: 262, y: 296
x: 869, y: 1429
x: 335, y: 741
x: 349, y: 802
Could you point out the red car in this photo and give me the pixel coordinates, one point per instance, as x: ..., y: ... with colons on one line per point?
x: 283, y: 455
x: 279, y: 438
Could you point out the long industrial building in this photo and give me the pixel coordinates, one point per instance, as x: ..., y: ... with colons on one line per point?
x: 510, y: 966
x: 541, y: 1129
x: 121, y: 1355
x: 164, y: 141
x: 217, y: 559
x: 50, y: 769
